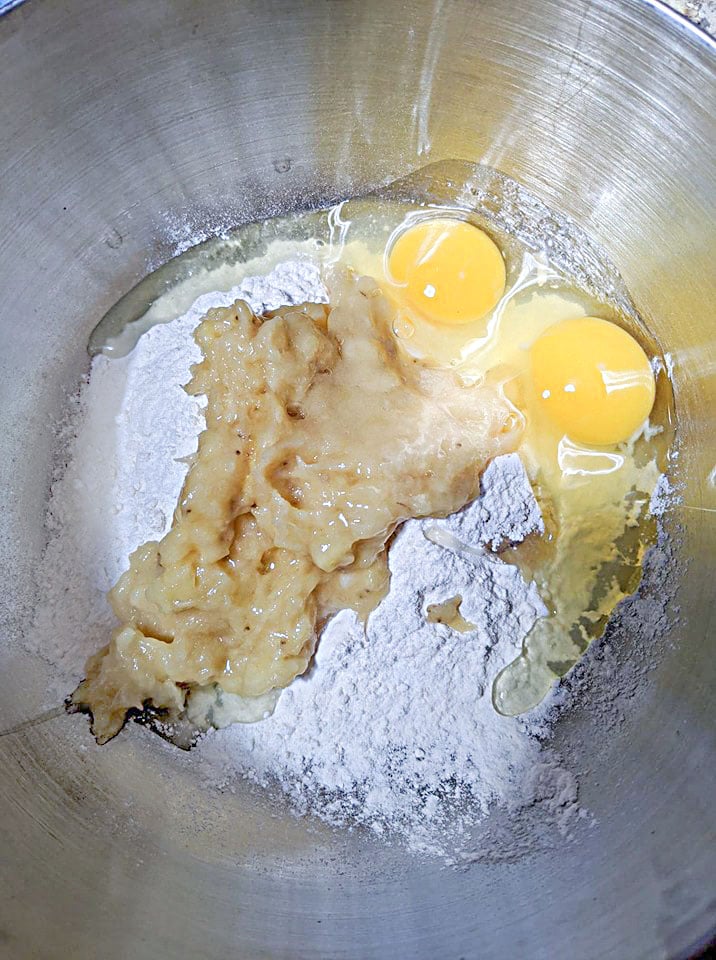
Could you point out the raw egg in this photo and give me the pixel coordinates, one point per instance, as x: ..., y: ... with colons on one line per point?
x: 592, y: 379
x: 450, y: 271
x: 577, y: 385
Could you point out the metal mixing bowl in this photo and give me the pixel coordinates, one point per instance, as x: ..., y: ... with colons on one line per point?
x: 117, y: 118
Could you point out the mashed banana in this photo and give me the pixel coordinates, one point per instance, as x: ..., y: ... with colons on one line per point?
x: 321, y: 437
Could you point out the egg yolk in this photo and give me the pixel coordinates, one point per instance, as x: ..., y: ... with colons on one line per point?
x: 451, y: 272
x: 593, y: 380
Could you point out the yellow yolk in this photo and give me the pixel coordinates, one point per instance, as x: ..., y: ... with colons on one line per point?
x: 592, y: 379
x: 451, y: 272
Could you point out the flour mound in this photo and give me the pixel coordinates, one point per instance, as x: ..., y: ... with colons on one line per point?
x: 393, y: 726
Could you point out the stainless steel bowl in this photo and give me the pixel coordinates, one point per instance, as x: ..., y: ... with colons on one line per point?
x: 117, y: 116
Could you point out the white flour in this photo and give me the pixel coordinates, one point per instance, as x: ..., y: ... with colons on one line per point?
x: 393, y: 726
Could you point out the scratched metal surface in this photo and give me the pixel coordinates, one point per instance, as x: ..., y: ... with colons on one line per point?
x: 700, y: 12
x: 114, y: 116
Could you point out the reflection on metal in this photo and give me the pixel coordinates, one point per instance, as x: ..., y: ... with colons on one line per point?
x: 7, y: 5
x: 152, y: 119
